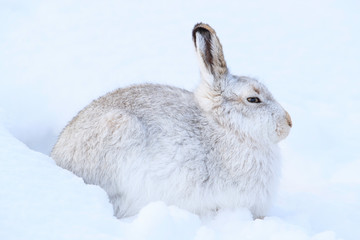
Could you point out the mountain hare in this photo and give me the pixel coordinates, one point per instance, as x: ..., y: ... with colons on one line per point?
x: 215, y: 148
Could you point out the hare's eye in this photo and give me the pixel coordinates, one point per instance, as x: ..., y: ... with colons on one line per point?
x: 253, y: 100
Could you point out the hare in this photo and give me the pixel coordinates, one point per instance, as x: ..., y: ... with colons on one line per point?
x: 211, y: 149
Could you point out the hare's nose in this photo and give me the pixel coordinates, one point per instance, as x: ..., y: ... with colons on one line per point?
x: 288, y: 119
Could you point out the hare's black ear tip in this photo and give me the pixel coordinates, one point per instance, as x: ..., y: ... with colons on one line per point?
x: 199, y: 25
x: 201, y: 28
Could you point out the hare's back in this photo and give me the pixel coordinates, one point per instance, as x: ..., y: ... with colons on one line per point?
x: 140, y: 118
x: 158, y: 114
x: 154, y: 104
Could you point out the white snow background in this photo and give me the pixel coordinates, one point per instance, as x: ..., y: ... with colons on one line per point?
x: 56, y: 56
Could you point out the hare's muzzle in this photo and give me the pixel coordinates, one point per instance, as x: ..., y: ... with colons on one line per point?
x: 288, y: 119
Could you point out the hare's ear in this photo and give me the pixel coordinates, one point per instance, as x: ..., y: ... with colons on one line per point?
x: 210, y: 54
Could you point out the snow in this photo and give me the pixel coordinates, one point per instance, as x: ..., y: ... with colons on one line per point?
x: 43, y: 201
x: 55, y: 57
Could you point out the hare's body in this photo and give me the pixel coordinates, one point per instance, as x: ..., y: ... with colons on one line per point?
x: 198, y: 151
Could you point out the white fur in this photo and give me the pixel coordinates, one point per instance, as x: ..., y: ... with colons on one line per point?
x: 201, y: 151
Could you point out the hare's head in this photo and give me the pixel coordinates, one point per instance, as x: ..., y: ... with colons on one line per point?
x: 240, y: 103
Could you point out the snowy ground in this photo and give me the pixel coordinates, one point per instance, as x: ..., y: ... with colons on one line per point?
x: 55, y: 57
